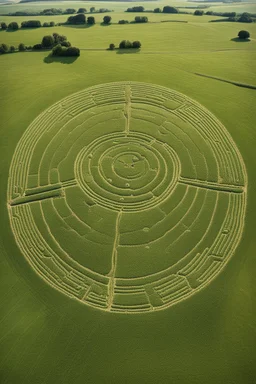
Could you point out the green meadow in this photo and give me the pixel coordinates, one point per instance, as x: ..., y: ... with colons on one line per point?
x: 127, y: 208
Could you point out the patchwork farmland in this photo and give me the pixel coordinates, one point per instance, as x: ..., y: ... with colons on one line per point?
x: 127, y: 204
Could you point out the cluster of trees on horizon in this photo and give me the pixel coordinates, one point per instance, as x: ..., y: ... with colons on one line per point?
x: 59, y: 11
x: 126, y: 44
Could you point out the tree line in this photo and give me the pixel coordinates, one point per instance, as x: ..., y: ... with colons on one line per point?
x: 58, y: 11
x: 59, y: 45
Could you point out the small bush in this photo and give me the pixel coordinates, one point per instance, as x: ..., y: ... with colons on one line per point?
x: 111, y: 47
x: 46, y: 25
x: 157, y: 10
x: 123, y: 22
x: 136, y: 44
x: 52, y: 23
x: 12, y: 49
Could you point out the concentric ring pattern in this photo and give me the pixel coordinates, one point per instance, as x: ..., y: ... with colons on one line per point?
x: 128, y: 197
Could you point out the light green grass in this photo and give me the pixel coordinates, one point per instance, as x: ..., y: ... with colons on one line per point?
x: 48, y: 338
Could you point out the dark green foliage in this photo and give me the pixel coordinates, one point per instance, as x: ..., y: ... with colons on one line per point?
x: 37, y: 47
x: 58, y: 50
x: 31, y: 24
x: 245, y: 18
x: 77, y: 19
x: 69, y: 11
x: 168, y: 9
x: 124, y: 44
x: 59, y: 38
x: 135, y: 9
x: 48, y: 41
x: 111, y: 47
x: 136, y: 44
x: 90, y: 20
x: 14, y: 26
x: 46, y: 25
x: 198, y: 12
x: 72, y: 51
x: 141, y: 19
x: 92, y: 9
x: 12, y: 49
x: 104, y: 10
x: 65, y: 44
x: 21, y: 47
x: 157, y: 10
x: 106, y: 19
x: 209, y: 13
x: 82, y: 10
x: 4, y: 48
x: 123, y: 22
x: 52, y: 23
x: 243, y: 35
x: 3, y: 26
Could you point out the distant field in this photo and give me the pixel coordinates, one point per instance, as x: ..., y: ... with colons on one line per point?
x: 127, y: 187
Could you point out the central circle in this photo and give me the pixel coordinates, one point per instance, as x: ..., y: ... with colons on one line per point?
x: 130, y: 165
x: 127, y: 173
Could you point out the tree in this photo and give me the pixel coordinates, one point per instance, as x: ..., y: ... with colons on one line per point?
x: 138, y: 8
x: 58, y: 38
x: 57, y: 50
x: 12, y: 48
x: 125, y: 44
x: 157, y: 10
x: 31, y: 24
x: 37, y: 46
x: 90, y: 20
x: 141, y: 19
x: 243, y: 35
x: 92, y: 9
x: 4, y: 48
x: 136, y: 44
x: 52, y: 23
x: 14, y: 26
x: 21, y: 47
x: 82, y: 10
x: 245, y: 18
x: 198, y: 12
x: 77, y: 19
x: 70, y: 11
x: 106, y: 19
x: 168, y: 9
x: 72, y: 51
x: 111, y: 47
x: 46, y: 25
x: 48, y: 41
x: 3, y: 26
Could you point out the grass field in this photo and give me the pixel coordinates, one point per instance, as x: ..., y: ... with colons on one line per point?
x: 129, y: 197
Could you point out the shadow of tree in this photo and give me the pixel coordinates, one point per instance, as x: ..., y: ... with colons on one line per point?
x: 237, y: 40
x: 60, y: 59
x: 105, y: 24
x: 127, y: 51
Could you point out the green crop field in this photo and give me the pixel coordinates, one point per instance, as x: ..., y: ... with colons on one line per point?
x: 127, y: 208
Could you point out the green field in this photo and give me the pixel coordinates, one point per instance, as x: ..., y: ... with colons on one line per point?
x: 128, y: 203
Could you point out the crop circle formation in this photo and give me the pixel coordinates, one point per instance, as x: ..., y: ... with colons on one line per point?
x: 128, y: 197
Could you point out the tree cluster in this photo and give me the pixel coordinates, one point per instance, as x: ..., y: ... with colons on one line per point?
x: 59, y: 50
x: 31, y: 24
x: 77, y: 19
x: 126, y: 44
x: 141, y: 19
x: 198, y: 12
x: 169, y: 9
x: 136, y: 9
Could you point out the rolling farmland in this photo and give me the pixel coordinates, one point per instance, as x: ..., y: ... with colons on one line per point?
x: 127, y: 204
